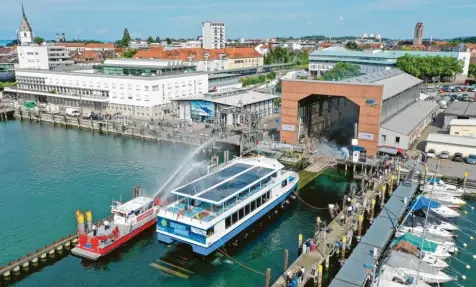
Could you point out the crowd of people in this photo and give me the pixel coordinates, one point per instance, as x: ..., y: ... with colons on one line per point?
x: 293, y: 278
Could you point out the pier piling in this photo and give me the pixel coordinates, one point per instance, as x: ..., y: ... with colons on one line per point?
x: 465, y: 179
x: 299, y: 243
x: 342, y: 253
x: 359, y: 230
x: 286, y: 259
x: 319, y: 275
x: 268, y: 277
x: 372, y: 210
x: 398, y: 174
x: 382, y: 199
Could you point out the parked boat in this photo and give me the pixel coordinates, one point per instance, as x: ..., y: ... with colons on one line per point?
x: 414, y: 220
x: 411, y: 265
x: 425, y: 246
x: 423, y: 203
x: 428, y: 229
x: 437, y: 185
x: 389, y: 277
x: 212, y: 210
x: 130, y: 219
x: 449, y: 201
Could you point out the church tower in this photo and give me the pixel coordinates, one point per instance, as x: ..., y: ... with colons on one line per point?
x: 25, y: 35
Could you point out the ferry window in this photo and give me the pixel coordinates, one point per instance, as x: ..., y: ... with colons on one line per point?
x: 211, y: 231
x: 284, y: 183
x: 274, y: 174
x: 241, y: 213
x: 258, y: 202
x: 137, y: 212
x: 234, y: 218
x: 227, y: 222
x: 253, y: 205
x: 268, y: 195
x: 247, y: 209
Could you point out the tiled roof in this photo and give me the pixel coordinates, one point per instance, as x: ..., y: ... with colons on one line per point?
x: 325, y: 44
x: 100, y: 45
x: 196, y: 54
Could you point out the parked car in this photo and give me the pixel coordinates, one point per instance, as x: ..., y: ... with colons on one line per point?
x: 471, y: 89
x: 471, y: 159
x: 454, y: 97
x: 458, y: 157
x: 444, y: 155
x: 72, y: 112
x: 456, y: 89
x: 465, y: 97
x: 431, y: 153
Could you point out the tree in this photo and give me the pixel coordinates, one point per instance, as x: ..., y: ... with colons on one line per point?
x: 342, y: 71
x: 430, y: 67
x: 351, y: 45
x: 126, y: 38
x: 278, y: 55
x: 472, y: 70
x: 302, y: 57
x: 157, y: 39
x: 129, y: 53
x: 12, y: 43
x: 150, y: 40
x: 169, y: 41
x: 38, y: 40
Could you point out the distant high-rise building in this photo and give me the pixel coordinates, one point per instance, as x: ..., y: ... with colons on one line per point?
x: 378, y: 36
x: 371, y: 35
x: 418, y: 34
x: 25, y: 34
x: 213, y: 35
x: 365, y: 35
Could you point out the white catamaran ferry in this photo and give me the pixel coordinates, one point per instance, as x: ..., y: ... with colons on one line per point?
x: 213, y: 209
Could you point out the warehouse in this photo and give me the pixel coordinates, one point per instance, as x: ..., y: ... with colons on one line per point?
x: 204, y: 108
x: 404, y: 128
x: 451, y: 144
x: 309, y: 108
x: 466, y: 128
x: 459, y: 110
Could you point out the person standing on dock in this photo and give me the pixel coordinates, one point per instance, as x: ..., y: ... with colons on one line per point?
x: 106, y: 225
x: 95, y: 230
x: 302, y: 273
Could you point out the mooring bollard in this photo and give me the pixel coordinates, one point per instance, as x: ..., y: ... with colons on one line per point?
x: 382, y: 202
x: 372, y: 209
x: 464, y: 180
x: 327, y: 262
x: 319, y: 275
x: 359, y: 230
x: 342, y: 255
x: 299, y: 244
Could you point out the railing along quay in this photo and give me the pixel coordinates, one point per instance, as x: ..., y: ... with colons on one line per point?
x: 22, y: 264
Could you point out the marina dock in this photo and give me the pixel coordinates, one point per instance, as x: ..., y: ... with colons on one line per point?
x: 324, y: 247
x: 38, y: 257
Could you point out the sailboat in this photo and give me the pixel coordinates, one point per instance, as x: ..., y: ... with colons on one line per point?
x: 425, y: 246
x: 434, y: 207
x: 449, y: 201
x: 438, y: 186
x: 414, y: 220
x: 429, y: 229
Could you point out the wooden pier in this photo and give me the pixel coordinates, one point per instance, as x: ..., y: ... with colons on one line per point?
x: 40, y: 256
x: 324, y: 248
x: 6, y: 113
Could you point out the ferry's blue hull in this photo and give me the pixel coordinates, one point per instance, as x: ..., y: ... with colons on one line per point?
x: 207, y: 250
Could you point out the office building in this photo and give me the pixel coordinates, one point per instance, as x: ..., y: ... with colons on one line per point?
x: 213, y: 35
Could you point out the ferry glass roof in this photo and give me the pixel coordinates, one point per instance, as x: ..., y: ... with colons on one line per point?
x: 197, y: 186
x: 220, y: 193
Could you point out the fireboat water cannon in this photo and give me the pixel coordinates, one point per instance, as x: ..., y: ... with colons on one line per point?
x: 126, y: 221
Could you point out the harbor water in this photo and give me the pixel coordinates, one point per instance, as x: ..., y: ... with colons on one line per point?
x: 47, y: 173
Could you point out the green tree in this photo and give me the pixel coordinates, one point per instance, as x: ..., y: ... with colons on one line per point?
x: 302, y: 58
x: 341, y: 71
x: 150, y: 40
x: 126, y: 38
x: 129, y: 53
x: 278, y: 55
x: 472, y: 70
x: 271, y: 76
x: 157, y: 39
x: 169, y: 41
x: 430, y: 67
x: 351, y: 45
x: 38, y: 40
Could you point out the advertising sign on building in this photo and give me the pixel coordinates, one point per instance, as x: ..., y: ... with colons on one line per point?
x: 355, y: 156
x: 289, y: 128
x: 366, y: 136
x: 181, y: 230
x: 203, y: 108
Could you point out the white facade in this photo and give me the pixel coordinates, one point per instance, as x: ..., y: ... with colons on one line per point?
x: 464, y: 127
x: 137, y: 96
x: 213, y: 35
x: 33, y: 57
x: 451, y: 144
x: 58, y: 55
x: 25, y: 33
x: 138, y: 45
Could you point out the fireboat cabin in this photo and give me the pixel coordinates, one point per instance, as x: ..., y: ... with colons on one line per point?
x: 213, y: 209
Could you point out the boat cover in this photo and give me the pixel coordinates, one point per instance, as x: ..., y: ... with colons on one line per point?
x: 423, y: 203
x: 434, y: 179
x: 407, y: 247
x: 398, y: 259
x: 416, y: 241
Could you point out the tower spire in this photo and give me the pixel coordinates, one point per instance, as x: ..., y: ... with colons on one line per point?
x: 23, y: 10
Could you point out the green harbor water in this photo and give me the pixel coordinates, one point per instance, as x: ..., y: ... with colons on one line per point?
x: 47, y: 173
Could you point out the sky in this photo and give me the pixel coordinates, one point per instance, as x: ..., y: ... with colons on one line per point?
x: 106, y: 19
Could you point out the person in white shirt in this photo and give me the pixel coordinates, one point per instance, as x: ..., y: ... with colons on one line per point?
x: 95, y: 230
x: 106, y: 225
x: 302, y: 273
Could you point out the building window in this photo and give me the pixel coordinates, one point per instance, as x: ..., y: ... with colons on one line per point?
x: 146, y: 88
x: 383, y: 138
x: 121, y: 86
x: 137, y: 87
x: 397, y: 140
x: 129, y: 86
x: 129, y: 96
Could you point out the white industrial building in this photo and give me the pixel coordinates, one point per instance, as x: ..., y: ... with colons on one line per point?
x: 405, y: 127
x: 459, y: 110
x: 204, y: 108
x: 466, y: 128
x: 138, y: 45
x: 213, y: 35
x: 451, y: 144
x: 43, y: 57
x: 132, y: 87
x: 371, y: 61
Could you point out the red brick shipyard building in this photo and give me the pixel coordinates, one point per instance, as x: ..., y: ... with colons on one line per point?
x: 384, y: 105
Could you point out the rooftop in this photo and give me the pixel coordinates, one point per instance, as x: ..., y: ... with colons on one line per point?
x: 134, y: 204
x: 394, y: 81
x: 462, y: 109
x: 239, y: 98
x: 377, y: 54
x: 219, y: 76
x: 461, y: 122
x: 406, y: 121
x: 452, y: 140
x: 197, y: 54
x: 142, y: 63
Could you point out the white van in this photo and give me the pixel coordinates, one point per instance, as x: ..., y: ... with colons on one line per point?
x: 72, y: 112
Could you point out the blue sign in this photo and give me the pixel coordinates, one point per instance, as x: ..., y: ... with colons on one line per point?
x: 203, y: 108
x: 276, y: 121
x: 182, y: 230
x: 371, y: 102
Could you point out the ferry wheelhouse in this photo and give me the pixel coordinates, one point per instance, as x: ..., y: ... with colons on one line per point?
x: 213, y: 209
